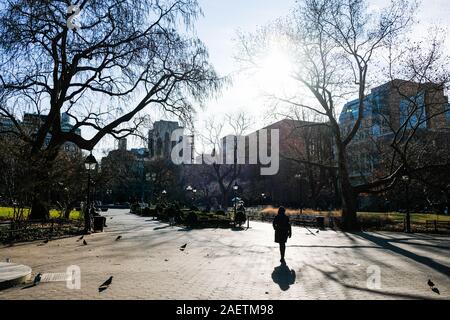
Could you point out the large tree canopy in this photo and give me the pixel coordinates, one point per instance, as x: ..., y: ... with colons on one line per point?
x: 119, y: 57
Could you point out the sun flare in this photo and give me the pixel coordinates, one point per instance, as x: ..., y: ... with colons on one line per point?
x: 276, y: 71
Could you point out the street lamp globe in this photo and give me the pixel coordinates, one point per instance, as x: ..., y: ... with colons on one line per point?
x: 194, y: 191
x: 90, y: 163
x: 164, y: 192
x: 236, y: 186
x: 405, y: 178
x: 188, y: 188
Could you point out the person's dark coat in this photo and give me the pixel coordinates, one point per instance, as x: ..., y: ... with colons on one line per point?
x: 282, y: 228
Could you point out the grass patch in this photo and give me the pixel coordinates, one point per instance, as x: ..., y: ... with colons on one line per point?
x: 8, y: 212
x: 419, y: 218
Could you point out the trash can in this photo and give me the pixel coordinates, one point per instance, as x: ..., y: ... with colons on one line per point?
x: 99, y: 222
x: 320, y: 221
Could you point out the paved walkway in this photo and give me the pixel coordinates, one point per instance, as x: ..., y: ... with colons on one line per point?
x: 225, y: 264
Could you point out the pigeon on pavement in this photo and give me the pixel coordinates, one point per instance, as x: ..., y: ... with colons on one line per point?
x: 84, y: 242
x: 105, y: 284
x: 118, y: 238
x: 46, y: 241
x: 436, y: 290
x: 80, y: 238
x: 183, y: 247
x: 430, y: 283
x: 37, y: 279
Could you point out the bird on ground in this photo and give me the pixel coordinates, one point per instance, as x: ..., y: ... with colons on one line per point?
x: 80, y: 238
x: 118, y: 238
x: 183, y: 247
x: 105, y: 284
x: 317, y: 231
x: 436, y: 290
x: 46, y: 241
x: 111, y: 217
x: 84, y: 242
x: 430, y: 283
x: 37, y: 279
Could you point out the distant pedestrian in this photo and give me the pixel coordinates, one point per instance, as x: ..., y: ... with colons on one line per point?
x: 283, y: 230
x: 446, y: 211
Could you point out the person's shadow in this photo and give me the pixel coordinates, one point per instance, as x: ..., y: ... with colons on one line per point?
x: 283, y: 276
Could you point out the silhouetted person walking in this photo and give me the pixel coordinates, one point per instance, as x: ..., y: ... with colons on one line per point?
x: 282, y: 230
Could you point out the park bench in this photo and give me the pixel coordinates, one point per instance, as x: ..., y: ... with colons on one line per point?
x: 437, y: 224
x: 305, y: 221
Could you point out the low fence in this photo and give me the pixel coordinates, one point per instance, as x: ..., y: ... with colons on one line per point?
x: 25, y: 230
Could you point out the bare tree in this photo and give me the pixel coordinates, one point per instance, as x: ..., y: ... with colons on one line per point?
x: 121, y: 57
x: 125, y: 56
x: 335, y: 44
x: 225, y: 175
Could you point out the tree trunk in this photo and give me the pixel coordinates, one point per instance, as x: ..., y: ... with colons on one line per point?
x: 39, y: 209
x: 224, y: 199
x: 348, y: 194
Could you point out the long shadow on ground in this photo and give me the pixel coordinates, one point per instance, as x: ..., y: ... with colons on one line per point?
x: 386, y: 244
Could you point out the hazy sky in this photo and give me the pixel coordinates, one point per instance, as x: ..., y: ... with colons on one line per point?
x: 217, y: 29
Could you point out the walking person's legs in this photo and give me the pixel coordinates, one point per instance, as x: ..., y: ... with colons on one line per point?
x: 282, y: 251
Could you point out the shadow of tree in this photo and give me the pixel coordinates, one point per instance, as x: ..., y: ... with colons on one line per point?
x: 387, y: 244
x: 332, y: 276
x: 283, y: 276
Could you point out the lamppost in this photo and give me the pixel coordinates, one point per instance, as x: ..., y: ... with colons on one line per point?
x: 90, y: 164
x: 263, y: 198
x: 189, y: 189
x: 108, y: 194
x: 153, y: 178
x: 235, y: 189
x: 298, y: 176
x: 194, y: 193
x: 406, y: 179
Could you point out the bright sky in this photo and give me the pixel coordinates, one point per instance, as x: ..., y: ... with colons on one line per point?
x: 217, y: 29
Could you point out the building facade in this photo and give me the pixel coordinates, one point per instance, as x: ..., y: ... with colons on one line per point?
x: 159, y: 139
x: 392, y: 110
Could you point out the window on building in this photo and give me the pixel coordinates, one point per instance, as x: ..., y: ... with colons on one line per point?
x: 412, y: 110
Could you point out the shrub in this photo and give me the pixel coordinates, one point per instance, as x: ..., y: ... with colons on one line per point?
x: 192, y: 218
x: 221, y: 213
x: 146, y: 212
x: 135, y: 208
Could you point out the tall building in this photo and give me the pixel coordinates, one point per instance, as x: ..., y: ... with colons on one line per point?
x: 159, y: 139
x: 392, y: 107
x: 31, y: 123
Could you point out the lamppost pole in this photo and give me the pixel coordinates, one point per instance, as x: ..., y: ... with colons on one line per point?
x: 298, y: 176
x: 90, y: 164
x: 235, y: 188
x: 87, y: 215
x: 189, y: 189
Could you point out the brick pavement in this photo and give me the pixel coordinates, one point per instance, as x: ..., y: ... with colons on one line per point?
x: 225, y: 264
